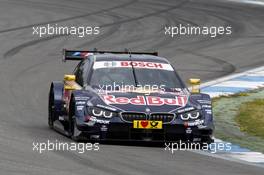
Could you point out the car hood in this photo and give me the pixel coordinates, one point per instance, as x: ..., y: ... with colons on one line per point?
x: 145, y: 102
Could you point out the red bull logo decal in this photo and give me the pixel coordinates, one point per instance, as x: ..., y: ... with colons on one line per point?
x: 146, y: 100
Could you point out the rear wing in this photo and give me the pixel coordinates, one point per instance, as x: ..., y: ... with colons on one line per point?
x: 77, y: 55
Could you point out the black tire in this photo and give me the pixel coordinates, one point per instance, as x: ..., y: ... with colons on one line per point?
x: 73, y: 130
x: 207, y: 140
x: 51, y: 109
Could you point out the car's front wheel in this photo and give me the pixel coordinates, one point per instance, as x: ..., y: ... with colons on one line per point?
x: 74, y: 132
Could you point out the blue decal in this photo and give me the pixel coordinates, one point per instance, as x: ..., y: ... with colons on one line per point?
x: 76, y: 53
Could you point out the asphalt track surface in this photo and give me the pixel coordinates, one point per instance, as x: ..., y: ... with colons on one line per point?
x: 28, y: 64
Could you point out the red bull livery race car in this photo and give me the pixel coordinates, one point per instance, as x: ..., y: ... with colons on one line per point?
x: 128, y: 96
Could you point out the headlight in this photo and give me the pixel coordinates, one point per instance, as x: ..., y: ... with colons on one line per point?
x: 97, y: 112
x: 190, y: 115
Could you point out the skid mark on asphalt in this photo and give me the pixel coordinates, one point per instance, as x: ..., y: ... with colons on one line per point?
x: 18, y: 48
x: 227, y: 67
x: 70, y: 18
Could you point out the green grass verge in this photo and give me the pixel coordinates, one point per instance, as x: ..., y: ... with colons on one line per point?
x: 226, y: 114
x: 251, y: 117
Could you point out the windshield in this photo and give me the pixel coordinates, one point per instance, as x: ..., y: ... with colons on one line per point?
x: 143, y: 76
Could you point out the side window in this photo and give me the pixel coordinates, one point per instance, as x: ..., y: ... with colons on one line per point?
x: 78, y: 72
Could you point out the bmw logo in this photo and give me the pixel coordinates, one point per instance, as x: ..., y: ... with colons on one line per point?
x: 147, y: 110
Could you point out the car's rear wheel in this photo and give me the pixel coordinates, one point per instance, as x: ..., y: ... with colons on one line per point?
x: 51, y: 109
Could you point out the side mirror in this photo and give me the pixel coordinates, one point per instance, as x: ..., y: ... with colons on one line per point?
x: 195, y: 85
x: 69, y: 78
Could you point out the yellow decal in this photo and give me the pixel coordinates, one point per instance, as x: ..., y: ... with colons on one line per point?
x: 147, y: 124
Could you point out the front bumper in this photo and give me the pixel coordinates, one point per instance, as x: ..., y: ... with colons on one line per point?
x: 119, y: 130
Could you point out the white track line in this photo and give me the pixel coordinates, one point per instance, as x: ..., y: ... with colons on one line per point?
x: 254, y: 2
